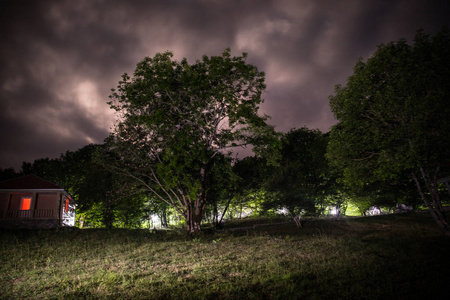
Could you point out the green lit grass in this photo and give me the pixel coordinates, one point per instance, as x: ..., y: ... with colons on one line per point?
x: 386, y: 257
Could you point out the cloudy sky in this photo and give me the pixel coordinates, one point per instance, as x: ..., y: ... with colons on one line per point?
x: 59, y: 59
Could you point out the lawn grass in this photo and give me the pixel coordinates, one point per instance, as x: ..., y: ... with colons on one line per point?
x: 384, y: 257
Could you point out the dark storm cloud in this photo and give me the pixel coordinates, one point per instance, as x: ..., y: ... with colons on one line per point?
x: 59, y: 59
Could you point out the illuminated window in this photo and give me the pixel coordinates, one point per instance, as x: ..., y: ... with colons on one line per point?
x: 25, y: 204
x: 66, y: 208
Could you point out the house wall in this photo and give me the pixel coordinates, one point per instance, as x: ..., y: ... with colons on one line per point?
x: 46, y: 201
x: 4, y: 201
x: 12, y: 200
x: 67, y: 215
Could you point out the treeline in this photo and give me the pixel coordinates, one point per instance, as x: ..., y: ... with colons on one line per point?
x: 302, y: 183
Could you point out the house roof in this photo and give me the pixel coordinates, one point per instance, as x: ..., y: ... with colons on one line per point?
x: 29, y: 182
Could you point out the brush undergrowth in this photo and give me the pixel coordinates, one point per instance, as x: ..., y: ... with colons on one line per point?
x: 385, y: 257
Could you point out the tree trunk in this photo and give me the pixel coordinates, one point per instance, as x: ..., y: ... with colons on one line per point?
x: 163, y: 218
x: 194, y: 209
x: 215, y: 218
x: 193, y: 220
x: 194, y: 214
x: 219, y: 223
x: 434, y: 206
x: 108, y: 215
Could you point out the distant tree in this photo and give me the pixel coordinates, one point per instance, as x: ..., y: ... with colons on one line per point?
x: 394, y: 118
x: 117, y: 202
x: 46, y: 168
x: 252, y: 173
x: 159, y: 208
x: 130, y: 211
x: 302, y: 176
x: 8, y: 173
x: 68, y: 171
x: 175, y: 117
x: 76, y: 166
x: 221, y: 185
x: 103, y: 191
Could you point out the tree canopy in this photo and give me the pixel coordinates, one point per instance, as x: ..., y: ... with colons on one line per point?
x: 393, y: 117
x: 175, y: 117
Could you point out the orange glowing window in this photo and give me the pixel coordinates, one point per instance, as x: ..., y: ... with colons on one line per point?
x: 25, y: 204
x: 66, y: 208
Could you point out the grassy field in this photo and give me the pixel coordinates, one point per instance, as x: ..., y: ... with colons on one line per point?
x: 384, y: 257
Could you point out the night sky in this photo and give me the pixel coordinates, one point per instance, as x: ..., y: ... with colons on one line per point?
x: 59, y: 59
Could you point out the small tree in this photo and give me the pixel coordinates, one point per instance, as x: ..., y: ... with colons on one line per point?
x: 175, y: 117
x: 394, y: 118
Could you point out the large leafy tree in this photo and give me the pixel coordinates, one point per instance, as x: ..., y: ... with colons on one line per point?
x: 175, y: 117
x: 393, y: 118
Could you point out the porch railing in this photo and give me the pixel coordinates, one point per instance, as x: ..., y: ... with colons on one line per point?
x: 29, y: 214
